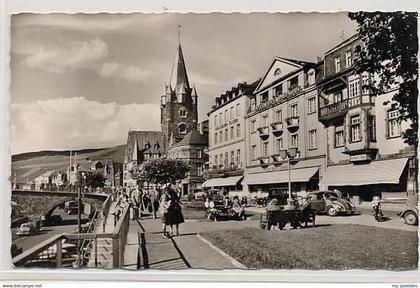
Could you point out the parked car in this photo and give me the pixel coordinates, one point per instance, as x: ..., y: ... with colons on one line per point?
x: 410, y: 215
x: 331, y: 203
x: 26, y: 229
x: 52, y: 220
x: 199, y: 194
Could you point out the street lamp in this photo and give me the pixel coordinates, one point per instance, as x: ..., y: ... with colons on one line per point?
x: 289, y: 154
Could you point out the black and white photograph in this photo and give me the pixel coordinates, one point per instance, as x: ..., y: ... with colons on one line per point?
x: 173, y: 141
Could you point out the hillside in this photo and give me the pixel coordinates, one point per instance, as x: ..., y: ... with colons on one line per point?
x: 29, y: 168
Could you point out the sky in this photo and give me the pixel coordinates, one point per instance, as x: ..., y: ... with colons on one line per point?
x: 85, y: 80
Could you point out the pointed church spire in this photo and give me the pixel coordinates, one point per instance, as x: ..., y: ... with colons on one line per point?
x: 179, y: 79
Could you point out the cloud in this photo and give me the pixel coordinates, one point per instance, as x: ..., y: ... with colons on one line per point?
x: 118, y: 71
x: 57, y: 123
x: 71, y: 56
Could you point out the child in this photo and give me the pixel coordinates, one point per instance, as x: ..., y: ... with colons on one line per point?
x: 163, y: 209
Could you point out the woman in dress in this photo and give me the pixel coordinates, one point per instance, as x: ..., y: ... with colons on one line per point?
x: 163, y: 209
x: 174, y: 217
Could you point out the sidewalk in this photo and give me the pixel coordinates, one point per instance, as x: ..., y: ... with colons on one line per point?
x: 180, y: 252
x: 104, y: 245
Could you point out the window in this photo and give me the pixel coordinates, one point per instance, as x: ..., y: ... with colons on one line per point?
x: 337, y: 64
x: 372, y: 128
x: 221, y: 160
x: 253, y: 126
x: 215, y: 160
x: 294, y: 110
x: 349, y: 59
x: 264, y: 151
x: 394, y: 124
x: 278, y: 116
x: 226, y: 159
x: 182, y: 128
x: 264, y: 121
x: 279, y: 145
x: 253, y: 152
x: 200, y: 169
x: 215, y: 120
x: 252, y: 104
x: 226, y: 115
x: 199, y: 153
x: 278, y: 90
x: 311, y: 105
x: 232, y: 113
x: 355, y: 128
x: 294, y: 141
x: 264, y: 97
x: 293, y: 83
x: 354, y: 86
x: 312, y: 139
x: 232, y: 157
x: 215, y: 138
x: 220, y: 118
x: 339, y: 138
x: 182, y: 113
x: 232, y: 135
x: 338, y: 97
x: 221, y: 136
x: 226, y: 135
x: 365, y: 83
x: 238, y: 157
x: 238, y: 109
x: 238, y: 130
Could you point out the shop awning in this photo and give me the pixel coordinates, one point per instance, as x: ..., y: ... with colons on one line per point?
x: 221, y: 182
x: 376, y: 172
x: 297, y: 175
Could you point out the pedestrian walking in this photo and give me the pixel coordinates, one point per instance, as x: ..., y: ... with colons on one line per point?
x: 163, y: 210
x: 174, y: 217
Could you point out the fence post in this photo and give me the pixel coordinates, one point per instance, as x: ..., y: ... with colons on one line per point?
x: 115, y: 250
x: 59, y: 254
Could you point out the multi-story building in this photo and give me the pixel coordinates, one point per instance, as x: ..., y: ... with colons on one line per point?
x: 366, y: 154
x: 191, y: 149
x: 283, y: 117
x: 227, y: 138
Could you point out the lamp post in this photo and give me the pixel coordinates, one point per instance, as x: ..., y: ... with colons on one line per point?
x: 289, y: 154
x: 79, y: 213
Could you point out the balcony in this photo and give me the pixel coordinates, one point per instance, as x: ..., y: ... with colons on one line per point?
x: 264, y: 160
x: 277, y: 158
x: 263, y: 131
x: 292, y: 123
x: 340, y: 109
x: 277, y: 127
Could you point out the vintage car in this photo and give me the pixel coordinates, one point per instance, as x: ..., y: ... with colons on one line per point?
x: 26, y: 229
x: 52, y: 220
x: 331, y: 203
x: 410, y: 214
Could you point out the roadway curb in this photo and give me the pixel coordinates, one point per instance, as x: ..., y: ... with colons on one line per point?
x: 234, y: 262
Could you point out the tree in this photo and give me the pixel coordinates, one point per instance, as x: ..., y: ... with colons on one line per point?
x: 95, y: 180
x: 164, y: 171
x: 389, y: 50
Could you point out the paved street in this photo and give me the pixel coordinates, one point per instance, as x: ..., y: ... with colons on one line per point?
x: 27, y: 242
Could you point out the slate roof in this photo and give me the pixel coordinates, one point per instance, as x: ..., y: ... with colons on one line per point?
x: 193, y: 138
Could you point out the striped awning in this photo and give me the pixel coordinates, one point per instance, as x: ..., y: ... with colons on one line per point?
x: 297, y: 175
x: 375, y: 172
x: 221, y: 182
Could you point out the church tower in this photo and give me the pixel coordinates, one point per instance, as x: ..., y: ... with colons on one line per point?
x: 178, y: 108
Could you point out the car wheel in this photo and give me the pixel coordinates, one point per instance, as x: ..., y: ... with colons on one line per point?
x: 331, y: 211
x: 410, y: 218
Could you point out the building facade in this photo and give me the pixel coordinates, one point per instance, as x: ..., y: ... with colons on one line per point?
x: 283, y: 116
x: 227, y: 139
x: 366, y: 154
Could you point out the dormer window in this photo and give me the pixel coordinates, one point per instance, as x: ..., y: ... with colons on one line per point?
x: 293, y: 83
x: 252, y: 104
x: 182, y: 113
x: 278, y: 90
x: 264, y: 97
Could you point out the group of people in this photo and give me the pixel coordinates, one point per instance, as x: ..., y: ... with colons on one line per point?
x: 166, y: 202
x: 233, y: 208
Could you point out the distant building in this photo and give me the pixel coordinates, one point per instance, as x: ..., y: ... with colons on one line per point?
x: 113, y: 173
x: 141, y: 146
x: 97, y: 166
x: 191, y: 149
x: 44, y: 181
